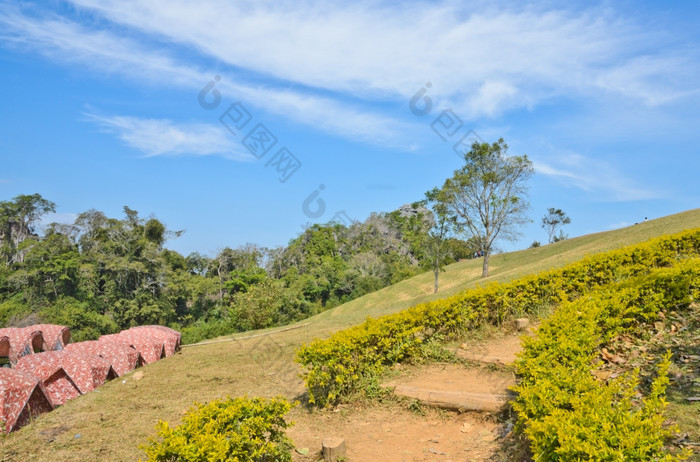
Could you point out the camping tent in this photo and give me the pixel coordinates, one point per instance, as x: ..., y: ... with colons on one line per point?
x: 22, y: 396
x: 122, y: 357
x: 55, y: 337
x: 170, y: 337
x: 151, y: 348
x: 47, y: 367
x: 88, y: 371
x: 23, y: 341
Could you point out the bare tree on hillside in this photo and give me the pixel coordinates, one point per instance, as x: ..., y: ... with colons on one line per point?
x: 488, y: 195
x: 554, y: 220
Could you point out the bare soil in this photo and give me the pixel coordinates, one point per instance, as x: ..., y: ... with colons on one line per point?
x: 455, y: 377
x: 391, y: 433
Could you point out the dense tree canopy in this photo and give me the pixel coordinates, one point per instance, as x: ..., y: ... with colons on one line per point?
x: 101, y: 274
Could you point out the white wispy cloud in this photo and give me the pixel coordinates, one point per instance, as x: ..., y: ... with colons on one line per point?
x: 332, y: 66
x: 594, y: 176
x: 104, y: 51
x: 487, y: 58
x: 157, y: 137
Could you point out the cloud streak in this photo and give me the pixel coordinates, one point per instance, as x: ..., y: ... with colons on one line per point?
x: 162, y: 137
x: 487, y: 59
x: 594, y: 176
x: 103, y: 51
x: 344, y: 68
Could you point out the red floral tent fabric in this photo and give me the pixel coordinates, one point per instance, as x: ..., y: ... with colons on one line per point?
x: 55, y: 337
x: 170, y: 337
x: 122, y: 357
x: 23, y: 341
x: 22, y: 396
x: 151, y: 348
x: 88, y: 371
x: 47, y: 367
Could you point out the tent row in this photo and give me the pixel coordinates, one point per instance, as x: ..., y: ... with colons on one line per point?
x: 47, y: 370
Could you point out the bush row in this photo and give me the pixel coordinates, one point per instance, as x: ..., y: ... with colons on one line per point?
x: 335, y: 367
x: 565, y: 411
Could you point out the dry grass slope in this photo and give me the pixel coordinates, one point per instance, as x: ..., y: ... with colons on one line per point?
x: 115, y: 419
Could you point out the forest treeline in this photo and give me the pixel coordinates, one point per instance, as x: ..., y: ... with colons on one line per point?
x: 100, y: 274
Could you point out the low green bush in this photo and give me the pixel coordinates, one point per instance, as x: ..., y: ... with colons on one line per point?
x: 565, y: 411
x: 240, y: 429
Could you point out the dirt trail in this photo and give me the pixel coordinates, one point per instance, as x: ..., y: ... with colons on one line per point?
x: 392, y: 433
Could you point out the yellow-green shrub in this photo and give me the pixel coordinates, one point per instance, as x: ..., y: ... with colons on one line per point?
x: 240, y: 429
x: 569, y: 415
x: 336, y: 366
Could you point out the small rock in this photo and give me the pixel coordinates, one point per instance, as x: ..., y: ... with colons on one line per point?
x: 138, y: 375
x: 506, y: 430
x: 435, y: 451
x: 465, y: 427
x: 78, y: 435
x: 463, y: 346
x: 522, y: 323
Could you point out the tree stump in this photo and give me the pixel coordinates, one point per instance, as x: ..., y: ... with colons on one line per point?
x: 522, y: 323
x: 333, y: 449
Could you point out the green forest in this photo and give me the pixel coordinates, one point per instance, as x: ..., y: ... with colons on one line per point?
x: 101, y: 274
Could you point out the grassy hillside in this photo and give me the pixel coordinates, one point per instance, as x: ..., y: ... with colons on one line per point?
x: 112, y: 421
x: 503, y: 267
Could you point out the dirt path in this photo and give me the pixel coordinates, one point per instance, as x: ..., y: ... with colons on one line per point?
x: 392, y: 433
x: 455, y: 377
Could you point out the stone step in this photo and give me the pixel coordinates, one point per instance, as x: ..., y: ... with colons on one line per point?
x: 476, y: 356
x: 455, y: 400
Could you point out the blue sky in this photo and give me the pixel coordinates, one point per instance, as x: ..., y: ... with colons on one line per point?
x: 101, y: 108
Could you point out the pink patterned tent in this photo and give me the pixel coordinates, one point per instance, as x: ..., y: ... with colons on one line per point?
x: 22, y: 396
x: 122, y: 357
x: 23, y: 341
x: 151, y: 349
x: 55, y: 337
x: 170, y: 337
x: 47, y: 367
x: 87, y: 371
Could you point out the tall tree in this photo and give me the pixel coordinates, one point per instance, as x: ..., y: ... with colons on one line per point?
x: 554, y: 220
x: 17, y: 220
x: 488, y: 195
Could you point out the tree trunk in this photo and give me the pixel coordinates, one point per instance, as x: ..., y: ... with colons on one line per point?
x: 485, y: 267
x: 436, y: 271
